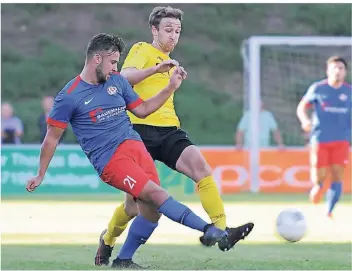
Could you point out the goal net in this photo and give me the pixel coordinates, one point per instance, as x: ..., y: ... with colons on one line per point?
x: 278, y: 71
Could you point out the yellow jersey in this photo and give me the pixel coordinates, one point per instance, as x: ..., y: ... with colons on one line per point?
x: 143, y: 55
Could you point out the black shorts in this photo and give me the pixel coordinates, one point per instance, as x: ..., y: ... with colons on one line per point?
x: 164, y: 144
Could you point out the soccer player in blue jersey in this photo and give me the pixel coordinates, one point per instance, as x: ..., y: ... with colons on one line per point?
x: 330, y: 129
x: 95, y: 104
x: 148, y: 67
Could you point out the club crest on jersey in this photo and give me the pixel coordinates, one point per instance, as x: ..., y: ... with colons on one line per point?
x: 112, y: 90
x: 343, y: 97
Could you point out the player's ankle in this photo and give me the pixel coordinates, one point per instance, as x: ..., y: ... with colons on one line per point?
x: 206, y: 227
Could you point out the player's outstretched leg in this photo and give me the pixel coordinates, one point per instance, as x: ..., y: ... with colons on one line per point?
x: 192, y: 163
x: 176, y: 211
x: 180, y: 213
x: 235, y: 235
x: 146, y: 222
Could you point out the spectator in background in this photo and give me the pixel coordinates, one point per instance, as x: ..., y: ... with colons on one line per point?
x: 267, y: 125
x: 11, y: 126
x: 47, y: 104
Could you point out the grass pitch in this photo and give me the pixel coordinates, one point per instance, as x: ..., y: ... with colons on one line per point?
x: 41, y: 233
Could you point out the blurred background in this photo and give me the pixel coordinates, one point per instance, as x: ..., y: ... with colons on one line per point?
x: 43, y: 47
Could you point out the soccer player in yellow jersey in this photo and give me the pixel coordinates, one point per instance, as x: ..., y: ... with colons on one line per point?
x: 148, y: 68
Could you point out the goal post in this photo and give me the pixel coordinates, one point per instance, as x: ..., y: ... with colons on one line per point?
x: 277, y: 71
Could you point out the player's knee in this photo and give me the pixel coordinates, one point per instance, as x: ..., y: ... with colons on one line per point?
x: 153, y: 193
x: 131, y: 208
x: 337, y: 173
x: 318, y: 175
x: 158, y: 196
x: 201, y: 169
x: 319, y: 178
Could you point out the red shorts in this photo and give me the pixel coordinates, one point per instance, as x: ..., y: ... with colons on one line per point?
x: 328, y: 154
x: 130, y: 168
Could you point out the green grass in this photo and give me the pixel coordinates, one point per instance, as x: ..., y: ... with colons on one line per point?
x: 40, y: 233
x: 260, y: 256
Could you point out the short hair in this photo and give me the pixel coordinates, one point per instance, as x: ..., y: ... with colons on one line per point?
x: 333, y: 59
x: 105, y: 42
x: 159, y: 13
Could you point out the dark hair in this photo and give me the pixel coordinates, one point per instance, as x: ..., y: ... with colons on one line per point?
x: 105, y: 42
x: 333, y: 59
x: 159, y: 13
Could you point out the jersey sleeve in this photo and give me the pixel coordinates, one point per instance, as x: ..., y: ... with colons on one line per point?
x: 62, y: 111
x: 131, y: 98
x: 136, y: 58
x: 311, y: 95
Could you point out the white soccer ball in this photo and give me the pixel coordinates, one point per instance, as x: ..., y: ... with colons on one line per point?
x: 291, y: 225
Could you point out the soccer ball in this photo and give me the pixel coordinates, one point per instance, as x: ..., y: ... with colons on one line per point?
x: 291, y: 225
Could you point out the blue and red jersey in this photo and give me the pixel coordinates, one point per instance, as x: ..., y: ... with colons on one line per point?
x: 331, y: 117
x: 97, y: 114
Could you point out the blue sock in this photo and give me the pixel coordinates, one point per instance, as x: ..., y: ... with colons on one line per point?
x: 334, y: 194
x: 139, y: 232
x: 180, y: 213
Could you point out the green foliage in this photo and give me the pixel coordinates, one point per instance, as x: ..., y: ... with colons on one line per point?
x: 40, y: 76
x: 48, y: 73
x: 326, y: 19
x: 208, y: 117
x: 211, y: 40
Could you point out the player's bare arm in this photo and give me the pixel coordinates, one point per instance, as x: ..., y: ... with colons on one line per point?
x: 278, y: 138
x: 302, y: 115
x: 135, y: 76
x: 239, y: 139
x: 52, y: 138
x: 151, y: 105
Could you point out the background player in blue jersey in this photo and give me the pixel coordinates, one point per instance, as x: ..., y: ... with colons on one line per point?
x: 330, y: 129
x: 95, y: 104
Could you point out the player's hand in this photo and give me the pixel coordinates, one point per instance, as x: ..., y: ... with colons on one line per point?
x: 33, y: 183
x: 177, y: 77
x: 166, y: 65
x: 306, y: 126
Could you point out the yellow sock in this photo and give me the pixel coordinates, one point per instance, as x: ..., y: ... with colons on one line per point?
x: 212, y: 202
x: 117, y: 225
